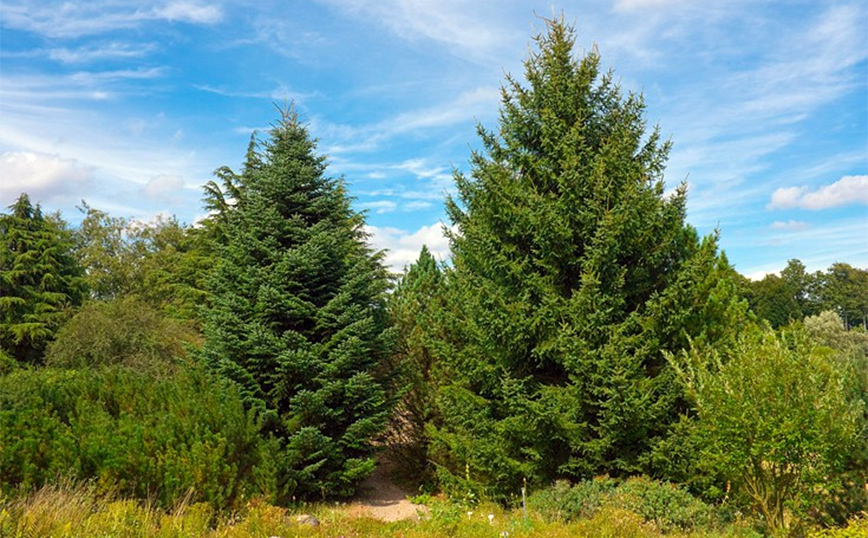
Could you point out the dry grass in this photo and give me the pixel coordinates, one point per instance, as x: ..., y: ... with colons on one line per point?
x: 74, y: 512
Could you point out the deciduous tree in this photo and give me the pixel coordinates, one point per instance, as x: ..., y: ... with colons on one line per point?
x: 776, y: 416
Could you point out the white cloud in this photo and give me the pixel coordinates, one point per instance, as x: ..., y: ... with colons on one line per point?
x: 465, y: 108
x: 846, y: 191
x: 103, y: 51
x: 403, y: 247
x: 470, y: 30
x: 416, y: 206
x: 19, y: 91
x: 792, y: 225
x: 380, y: 206
x: 635, y: 5
x: 68, y: 19
x: 163, y: 188
x: 44, y: 177
x: 759, y: 275
x: 191, y: 12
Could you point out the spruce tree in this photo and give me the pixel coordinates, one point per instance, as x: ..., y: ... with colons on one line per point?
x: 297, y: 318
x: 573, y: 272
x: 413, y: 308
x: 40, y: 280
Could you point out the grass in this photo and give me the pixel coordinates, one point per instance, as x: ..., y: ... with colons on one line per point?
x: 61, y: 512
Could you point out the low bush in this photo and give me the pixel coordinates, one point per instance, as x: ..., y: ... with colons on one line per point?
x: 161, y: 439
x: 857, y: 527
x: 566, y: 502
x: 666, y: 505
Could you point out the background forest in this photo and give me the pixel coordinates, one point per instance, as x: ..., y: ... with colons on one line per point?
x: 582, y: 341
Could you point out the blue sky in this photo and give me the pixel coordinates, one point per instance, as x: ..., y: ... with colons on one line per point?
x: 131, y: 105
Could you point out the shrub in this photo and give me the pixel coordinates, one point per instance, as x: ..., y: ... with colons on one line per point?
x: 668, y: 506
x: 778, y: 418
x: 856, y: 528
x: 126, y: 331
x: 131, y: 434
x: 564, y: 502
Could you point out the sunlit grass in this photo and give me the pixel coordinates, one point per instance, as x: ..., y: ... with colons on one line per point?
x: 69, y: 512
x: 61, y: 513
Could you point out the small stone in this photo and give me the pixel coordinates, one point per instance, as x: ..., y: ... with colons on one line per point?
x: 307, y: 519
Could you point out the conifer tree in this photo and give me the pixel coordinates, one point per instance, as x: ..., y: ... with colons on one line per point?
x: 39, y: 280
x: 298, y: 313
x: 573, y: 272
x: 414, y: 307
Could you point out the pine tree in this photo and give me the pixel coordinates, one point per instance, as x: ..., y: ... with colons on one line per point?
x: 40, y: 280
x: 298, y: 313
x: 414, y: 307
x: 573, y: 272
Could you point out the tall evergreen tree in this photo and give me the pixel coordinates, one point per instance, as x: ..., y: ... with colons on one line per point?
x: 39, y: 280
x: 298, y: 313
x: 573, y: 272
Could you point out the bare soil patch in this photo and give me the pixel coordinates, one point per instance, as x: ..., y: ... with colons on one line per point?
x: 381, y: 498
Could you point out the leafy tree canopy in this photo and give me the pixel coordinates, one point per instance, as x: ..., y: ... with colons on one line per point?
x: 777, y: 415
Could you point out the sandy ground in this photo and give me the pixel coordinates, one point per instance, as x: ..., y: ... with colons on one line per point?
x: 379, y: 497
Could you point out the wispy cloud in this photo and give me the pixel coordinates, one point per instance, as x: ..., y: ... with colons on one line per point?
x: 846, y: 191
x: 792, y: 225
x: 637, y: 5
x: 279, y: 94
x: 380, y: 206
x: 26, y: 90
x: 69, y: 20
x: 476, y: 31
x: 465, y: 108
x: 730, y: 126
x: 190, y: 12
x: 102, y: 51
x: 817, y: 246
x: 163, y: 188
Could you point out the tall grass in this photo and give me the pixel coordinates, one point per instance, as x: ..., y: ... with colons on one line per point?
x: 67, y: 512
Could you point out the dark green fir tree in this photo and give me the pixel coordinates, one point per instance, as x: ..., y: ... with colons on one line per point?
x: 298, y: 316
x: 573, y: 272
x: 40, y: 281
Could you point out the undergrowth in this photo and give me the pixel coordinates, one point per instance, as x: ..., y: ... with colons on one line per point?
x: 67, y: 512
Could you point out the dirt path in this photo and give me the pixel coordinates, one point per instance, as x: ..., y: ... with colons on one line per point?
x: 381, y: 498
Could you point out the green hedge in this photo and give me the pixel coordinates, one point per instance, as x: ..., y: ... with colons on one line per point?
x: 131, y: 434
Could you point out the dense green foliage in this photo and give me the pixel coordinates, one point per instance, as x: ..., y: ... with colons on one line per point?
x: 776, y: 415
x: 40, y: 280
x: 572, y: 274
x: 668, y: 506
x: 164, y: 262
x: 414, y: 306
x: 125, y: 331
x: 298, y: 316
x: 131, y: 434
